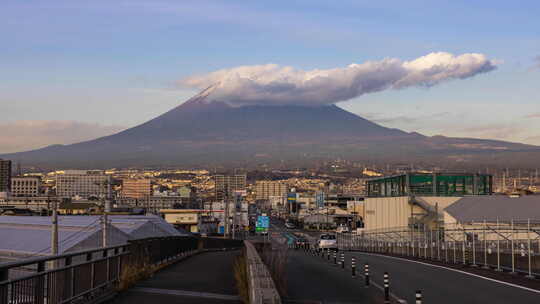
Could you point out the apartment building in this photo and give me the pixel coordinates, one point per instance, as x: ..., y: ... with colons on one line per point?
x: 136, y: 188
x: 265, y: 189
x: 226, y: 185
x: 25, y: 186
x: 5, y: 175
x: 83, y: 184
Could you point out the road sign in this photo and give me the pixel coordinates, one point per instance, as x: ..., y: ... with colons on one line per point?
x: 263, y: 222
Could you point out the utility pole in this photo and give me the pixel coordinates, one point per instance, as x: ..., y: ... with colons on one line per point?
x: 226, y: 218
x: 503, y: 182
x: 104, y: 229
x: 54, y: 232
x: 54, y: 235
x: 234, y: 220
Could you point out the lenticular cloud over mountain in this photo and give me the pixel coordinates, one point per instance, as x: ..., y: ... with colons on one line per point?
x: 283, y: 85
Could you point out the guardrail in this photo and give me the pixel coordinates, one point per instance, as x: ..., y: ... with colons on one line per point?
x: 262, y: 289
x: 85, y: 275
x: 92, y: 276
x: 505, y: 246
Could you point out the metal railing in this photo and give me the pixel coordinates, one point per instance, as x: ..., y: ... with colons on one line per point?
x: 510, y: 245
x: 65, y: 278
x: 92, y: 276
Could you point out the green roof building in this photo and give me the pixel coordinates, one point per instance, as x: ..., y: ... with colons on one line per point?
x: 430, y: 184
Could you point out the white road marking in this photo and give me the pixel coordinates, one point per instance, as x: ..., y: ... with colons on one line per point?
x: 455, y: 270
x: 186, y: 293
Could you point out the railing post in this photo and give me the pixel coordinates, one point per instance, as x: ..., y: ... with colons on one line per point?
x: 39, y: 288
x: 485, y: 245
x: 513, y: 253
x: 463, y: 246
x: 498, y: 248
x: 473, y: 248
x: 431, y: 244
x: 92, y: 270
x: 529, y: 247
x: 4, y: 276
x: 71, y: 283
x: 454, y: 250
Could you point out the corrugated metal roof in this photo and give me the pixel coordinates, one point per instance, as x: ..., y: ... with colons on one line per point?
x: 489, y: 208
x: 31, y: 235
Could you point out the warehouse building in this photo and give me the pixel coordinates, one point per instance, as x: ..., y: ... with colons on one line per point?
x: 30, y: 236
x: 415, y: 200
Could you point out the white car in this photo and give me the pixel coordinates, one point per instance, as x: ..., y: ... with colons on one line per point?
x: 327, y: 241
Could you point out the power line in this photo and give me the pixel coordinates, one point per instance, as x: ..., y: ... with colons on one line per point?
x: 71, y: 236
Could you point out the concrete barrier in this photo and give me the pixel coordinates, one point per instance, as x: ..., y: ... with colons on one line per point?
x: 262, y: 289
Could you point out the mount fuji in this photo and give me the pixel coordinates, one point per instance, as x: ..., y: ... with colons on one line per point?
x: 206, y: 133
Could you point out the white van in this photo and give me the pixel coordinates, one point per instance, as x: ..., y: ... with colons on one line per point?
x: 327, y: 241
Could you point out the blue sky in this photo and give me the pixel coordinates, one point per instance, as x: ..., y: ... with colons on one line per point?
x: 73, y: 70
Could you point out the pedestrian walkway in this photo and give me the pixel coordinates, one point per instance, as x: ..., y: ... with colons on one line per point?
x: 204, y: 278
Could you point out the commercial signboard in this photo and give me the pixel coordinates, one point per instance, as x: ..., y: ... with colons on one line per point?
x: 262, y: 224
x: 291, y: 202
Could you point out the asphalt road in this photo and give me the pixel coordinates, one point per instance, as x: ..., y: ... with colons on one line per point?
x: 311, y: 279
x: 441, y: 285
x: 438, y: 285
x: 203, y: 278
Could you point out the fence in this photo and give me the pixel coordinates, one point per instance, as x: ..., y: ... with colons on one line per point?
x: 91, y: 276
x: 510, y: 245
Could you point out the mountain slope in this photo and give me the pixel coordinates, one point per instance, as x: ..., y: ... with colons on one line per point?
x: 205, y: 133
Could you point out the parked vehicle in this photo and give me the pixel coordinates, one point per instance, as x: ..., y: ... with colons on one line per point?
x: 301, y: 242
x: 343, y: 229
x: 289, y: 225
x: 327, y: 241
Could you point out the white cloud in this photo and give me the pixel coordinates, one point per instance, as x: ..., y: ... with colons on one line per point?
x: 274, y: 84
x: 25, y: 135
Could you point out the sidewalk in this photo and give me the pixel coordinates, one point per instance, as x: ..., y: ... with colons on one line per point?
x: 204, y: 278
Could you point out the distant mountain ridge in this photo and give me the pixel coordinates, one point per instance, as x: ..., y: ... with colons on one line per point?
x: 206, y: 133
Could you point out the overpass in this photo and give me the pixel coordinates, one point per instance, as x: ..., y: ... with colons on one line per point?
x: 191, y: 270
x: 438, y: 282
x: 127, y: 272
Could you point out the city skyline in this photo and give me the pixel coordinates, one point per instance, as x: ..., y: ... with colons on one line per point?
x: 112, y: 66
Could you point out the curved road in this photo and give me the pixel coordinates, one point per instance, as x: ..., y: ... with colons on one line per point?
x: 441, y: 285
x: 438, y: 284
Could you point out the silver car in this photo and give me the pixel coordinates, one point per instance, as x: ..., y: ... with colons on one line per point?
x: 327, y: 241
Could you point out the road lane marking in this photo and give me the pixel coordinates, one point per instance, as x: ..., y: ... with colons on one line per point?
x: 186, y: 293
x: 455, y: 270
